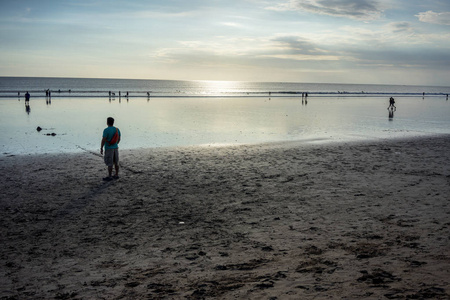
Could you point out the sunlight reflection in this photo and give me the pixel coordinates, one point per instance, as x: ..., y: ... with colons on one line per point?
x: 219, y: 87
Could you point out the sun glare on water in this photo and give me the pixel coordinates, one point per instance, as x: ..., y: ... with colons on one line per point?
x: 218, y: 87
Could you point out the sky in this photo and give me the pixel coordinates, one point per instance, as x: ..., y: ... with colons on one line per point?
x: 323, y: 41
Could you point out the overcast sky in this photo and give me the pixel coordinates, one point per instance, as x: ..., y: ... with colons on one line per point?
x: 335, y: 41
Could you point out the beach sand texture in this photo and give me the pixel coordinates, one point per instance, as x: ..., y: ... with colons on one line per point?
x: 277, y: 221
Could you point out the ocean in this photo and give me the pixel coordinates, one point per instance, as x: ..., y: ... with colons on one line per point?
x: 164, y: 113
x: 86, y: 87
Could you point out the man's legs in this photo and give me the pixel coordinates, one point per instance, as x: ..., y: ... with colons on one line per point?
x: 112, y: 159
x: 109, y: 174
x: 116, y: 163
x: 109, y: 161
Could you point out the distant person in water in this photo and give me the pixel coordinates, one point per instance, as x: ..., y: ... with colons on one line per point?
x: 27, y: 96
x: 111, y: 140
x: 391, y: 103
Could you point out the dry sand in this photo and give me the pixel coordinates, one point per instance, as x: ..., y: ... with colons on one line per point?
x: 282, y: 221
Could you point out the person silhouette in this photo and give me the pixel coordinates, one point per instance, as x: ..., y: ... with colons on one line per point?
x: 391, y: 103
x: 110, y: 142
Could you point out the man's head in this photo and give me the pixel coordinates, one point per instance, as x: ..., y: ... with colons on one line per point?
x: 110, y: 121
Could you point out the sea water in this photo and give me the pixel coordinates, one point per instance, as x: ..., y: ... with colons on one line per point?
x: 209, y: 113
x: 94, y: 87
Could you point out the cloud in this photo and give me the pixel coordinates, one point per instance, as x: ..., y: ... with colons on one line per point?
x: 232, y: 24
x: 364, y: 10
x: 219, y: 50
x: 296, y: 48
x: 297, y: 45
x: 398, y: 58
x: 442, y: 18
x: 400, y: 27
x: 302, y: 57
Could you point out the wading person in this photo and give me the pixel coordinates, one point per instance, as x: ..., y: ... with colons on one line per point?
x: 111, y: 140
x: 391, y: 103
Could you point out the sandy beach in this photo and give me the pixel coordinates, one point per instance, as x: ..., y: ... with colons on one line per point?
x: 367, y: 220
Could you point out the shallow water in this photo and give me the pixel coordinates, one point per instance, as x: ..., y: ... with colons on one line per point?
x: 162, y: 122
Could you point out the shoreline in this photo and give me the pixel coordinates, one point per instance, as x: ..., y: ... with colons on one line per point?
x: 306, y: 142
x: 287, y: 220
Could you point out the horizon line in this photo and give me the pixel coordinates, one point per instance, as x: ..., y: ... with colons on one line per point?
x: 206, y: 80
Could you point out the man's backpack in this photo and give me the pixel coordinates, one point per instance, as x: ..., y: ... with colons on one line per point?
x: 115, y: 137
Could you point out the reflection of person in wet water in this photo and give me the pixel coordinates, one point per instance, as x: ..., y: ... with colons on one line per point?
x: 391, y: 103
x: 391, y: 114
x: 304, y: 98
x: 48, y: 97
x: 27, y: 107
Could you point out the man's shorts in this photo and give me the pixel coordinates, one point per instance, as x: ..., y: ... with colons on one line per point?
x: 111, y: 157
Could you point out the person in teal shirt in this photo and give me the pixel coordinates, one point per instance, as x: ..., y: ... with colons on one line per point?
x: 110, y: 141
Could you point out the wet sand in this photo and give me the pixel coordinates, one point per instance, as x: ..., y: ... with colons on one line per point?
x: 364, y: 220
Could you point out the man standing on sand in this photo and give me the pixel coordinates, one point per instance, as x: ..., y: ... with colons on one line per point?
x: 110, y: 140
